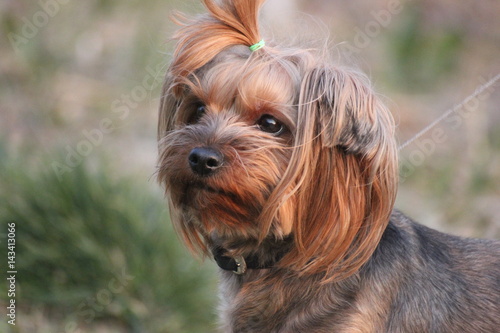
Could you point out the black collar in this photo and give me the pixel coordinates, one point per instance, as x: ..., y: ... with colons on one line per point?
x: 240, y: 264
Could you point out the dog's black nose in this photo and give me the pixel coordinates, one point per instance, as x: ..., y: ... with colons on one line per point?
x: 204, y: 161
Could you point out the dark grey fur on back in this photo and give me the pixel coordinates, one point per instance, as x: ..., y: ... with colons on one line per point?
x: 444, y: 283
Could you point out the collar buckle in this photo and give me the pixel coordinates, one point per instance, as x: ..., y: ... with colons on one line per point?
x: 241, y: 265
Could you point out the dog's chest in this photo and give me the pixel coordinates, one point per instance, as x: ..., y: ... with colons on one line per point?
x: 250, y: 307
x: 278, y: 307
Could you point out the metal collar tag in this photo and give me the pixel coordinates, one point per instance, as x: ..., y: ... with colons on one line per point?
x: 241, y: 265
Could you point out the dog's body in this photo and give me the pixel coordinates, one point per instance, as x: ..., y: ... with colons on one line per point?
x: 418, y: 280
x: 284, y: 167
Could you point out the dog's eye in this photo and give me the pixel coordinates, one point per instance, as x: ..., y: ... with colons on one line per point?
x: 269, y: 124
x: 198, y: 113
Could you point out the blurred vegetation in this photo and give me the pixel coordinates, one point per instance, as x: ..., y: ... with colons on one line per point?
x: 426, y: 56
x: 94, y: 247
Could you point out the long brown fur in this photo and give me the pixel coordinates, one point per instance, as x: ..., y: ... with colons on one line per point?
x: 323, y: 189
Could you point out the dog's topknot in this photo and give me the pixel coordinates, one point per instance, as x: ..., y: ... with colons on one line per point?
x: 228, y: 23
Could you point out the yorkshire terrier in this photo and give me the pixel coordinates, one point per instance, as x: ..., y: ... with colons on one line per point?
x: 283, y: 167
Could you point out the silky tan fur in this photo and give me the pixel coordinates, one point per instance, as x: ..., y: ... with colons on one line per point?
x: 322, y: 190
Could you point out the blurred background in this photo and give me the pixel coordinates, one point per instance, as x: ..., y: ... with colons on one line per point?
x: 79, y: 90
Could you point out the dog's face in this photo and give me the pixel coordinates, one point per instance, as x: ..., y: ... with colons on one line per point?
x: 270, y: 144
x: 228, y: 145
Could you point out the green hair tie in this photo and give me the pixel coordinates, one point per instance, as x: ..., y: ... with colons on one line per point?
x: 257, y: 46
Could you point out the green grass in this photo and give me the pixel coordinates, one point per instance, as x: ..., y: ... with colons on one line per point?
x: 77, y: 238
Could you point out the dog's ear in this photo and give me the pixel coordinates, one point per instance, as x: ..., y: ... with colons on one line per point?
x: 344, y: 169
x: 349, y: 115
x: 168, y: 107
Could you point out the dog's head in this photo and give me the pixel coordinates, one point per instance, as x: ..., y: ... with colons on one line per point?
x: 273, y: 144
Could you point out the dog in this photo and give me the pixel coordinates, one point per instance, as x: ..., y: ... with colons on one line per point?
x: 283, y: 167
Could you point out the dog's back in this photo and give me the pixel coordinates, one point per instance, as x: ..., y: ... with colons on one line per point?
x: 436, y: 282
